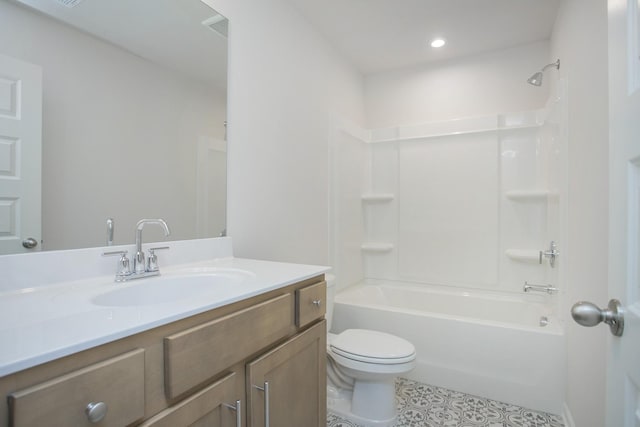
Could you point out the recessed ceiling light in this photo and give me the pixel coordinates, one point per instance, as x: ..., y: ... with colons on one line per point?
x: 437, y: 42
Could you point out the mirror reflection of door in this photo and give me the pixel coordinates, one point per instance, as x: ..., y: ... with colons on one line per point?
x: 211, y: 187
x: 20, y: 155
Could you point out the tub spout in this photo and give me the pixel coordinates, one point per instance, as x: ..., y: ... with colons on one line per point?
x: 530, y: 287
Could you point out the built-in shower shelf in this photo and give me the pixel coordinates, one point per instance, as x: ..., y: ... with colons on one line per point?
x: 528, y: 195
x: 377, y: 247
x: 523, y: 255
x: 377, y: 197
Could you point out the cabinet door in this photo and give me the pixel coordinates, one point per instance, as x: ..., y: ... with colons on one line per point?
x: 292, y: 379
x: 214, y: 406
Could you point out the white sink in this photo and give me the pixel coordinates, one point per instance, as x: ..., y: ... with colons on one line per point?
x: 171, y: 288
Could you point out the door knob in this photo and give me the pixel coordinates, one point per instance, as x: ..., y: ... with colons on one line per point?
x: 588, y: 314
x: 30, y: 243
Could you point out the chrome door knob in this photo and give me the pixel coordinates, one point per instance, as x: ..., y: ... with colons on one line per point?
x: 589, y: 314
x: 30, y: 243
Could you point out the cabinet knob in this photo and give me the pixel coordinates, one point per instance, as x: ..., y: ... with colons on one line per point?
x: 96, y: 411
x: 316, y: 302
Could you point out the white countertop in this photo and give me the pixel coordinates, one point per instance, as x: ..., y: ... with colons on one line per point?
x: 40, y: 324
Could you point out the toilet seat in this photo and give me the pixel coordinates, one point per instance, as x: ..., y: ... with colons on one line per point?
x: 372, y: 347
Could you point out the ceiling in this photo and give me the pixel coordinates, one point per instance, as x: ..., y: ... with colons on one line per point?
x: 374, y: 35
x: 168, y: 32
x: 377, y: 35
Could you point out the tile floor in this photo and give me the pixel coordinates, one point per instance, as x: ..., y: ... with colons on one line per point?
x: 422, y: 405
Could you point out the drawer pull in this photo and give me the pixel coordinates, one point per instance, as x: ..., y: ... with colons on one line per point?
x: 96, y: 411
x: 316, y: 302
x: 266, y: 401
x: 238, y: 409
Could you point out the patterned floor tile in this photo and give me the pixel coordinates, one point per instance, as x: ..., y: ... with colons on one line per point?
x: 422, y: 405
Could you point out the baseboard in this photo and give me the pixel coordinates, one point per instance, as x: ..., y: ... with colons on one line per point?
x: 567, y: 418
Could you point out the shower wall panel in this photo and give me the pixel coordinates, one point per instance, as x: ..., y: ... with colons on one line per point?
x: 449, y: 210
x: 351, y: 172
x: 466, y: 203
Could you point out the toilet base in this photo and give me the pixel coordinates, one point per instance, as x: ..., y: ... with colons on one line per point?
x: 339, y: 403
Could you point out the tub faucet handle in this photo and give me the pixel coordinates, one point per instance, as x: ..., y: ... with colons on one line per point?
x: 551, y: 253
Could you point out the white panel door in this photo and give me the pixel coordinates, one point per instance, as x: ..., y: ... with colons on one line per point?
x: 20, y: 154
x: 623, y: 374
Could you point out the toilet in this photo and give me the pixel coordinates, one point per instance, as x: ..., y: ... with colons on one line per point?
x: 362, y: 366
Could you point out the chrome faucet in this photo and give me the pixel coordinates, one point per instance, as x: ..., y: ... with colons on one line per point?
x: 530, y: 287
x: 142, y: 266
x: 139, y: 258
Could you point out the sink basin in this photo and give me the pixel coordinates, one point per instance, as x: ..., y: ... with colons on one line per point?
x: 169, y: 289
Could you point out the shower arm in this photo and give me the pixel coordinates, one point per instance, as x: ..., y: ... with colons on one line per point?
x: 553, y: 64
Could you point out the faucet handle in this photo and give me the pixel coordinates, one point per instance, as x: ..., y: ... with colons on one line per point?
x: 152, y: 260
x: 123, y: 269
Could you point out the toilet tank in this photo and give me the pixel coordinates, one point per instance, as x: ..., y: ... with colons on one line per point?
x: 331, y: 292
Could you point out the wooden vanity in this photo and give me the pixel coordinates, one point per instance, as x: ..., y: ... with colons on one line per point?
x: 260, y: 357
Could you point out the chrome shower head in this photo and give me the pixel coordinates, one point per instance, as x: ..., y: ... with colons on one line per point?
x: 536, y: 79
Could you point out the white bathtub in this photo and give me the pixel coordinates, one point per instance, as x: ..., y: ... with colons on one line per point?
x: 484, y: 344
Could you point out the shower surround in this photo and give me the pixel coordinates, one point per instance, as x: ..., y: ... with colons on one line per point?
x: 461, y: 208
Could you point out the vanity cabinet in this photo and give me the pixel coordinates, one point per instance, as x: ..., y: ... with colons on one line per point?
x: 203, y: 370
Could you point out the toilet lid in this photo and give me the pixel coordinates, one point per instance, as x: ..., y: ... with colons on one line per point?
x: 373, y: 347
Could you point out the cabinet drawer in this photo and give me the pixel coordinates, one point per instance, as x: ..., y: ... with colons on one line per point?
x: 311, y: 303
x: 207, y: 407
x: 118, y: 382
x: 197, y: 354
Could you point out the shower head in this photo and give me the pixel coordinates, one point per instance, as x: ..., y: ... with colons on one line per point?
x: 536, y: 79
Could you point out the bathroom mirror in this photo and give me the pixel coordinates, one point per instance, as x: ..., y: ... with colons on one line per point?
x: 133, y: 118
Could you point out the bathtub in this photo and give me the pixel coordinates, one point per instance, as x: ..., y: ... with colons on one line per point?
x: 485, y: 344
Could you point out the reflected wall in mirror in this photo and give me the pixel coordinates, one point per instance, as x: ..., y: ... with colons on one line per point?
x: 133, y: 119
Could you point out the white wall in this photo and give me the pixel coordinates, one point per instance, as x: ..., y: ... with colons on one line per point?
x: 490, y: 83
x: 117, y: 130
x: 285, y: 83
x: 580, y: 40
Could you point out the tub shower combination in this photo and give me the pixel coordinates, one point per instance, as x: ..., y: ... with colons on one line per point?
x: 448, y: 235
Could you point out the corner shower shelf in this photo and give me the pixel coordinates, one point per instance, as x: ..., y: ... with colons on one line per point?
x: 528, y: 195
x: 377, y: 197
x: 523, y: 255
x: 377, y: 247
